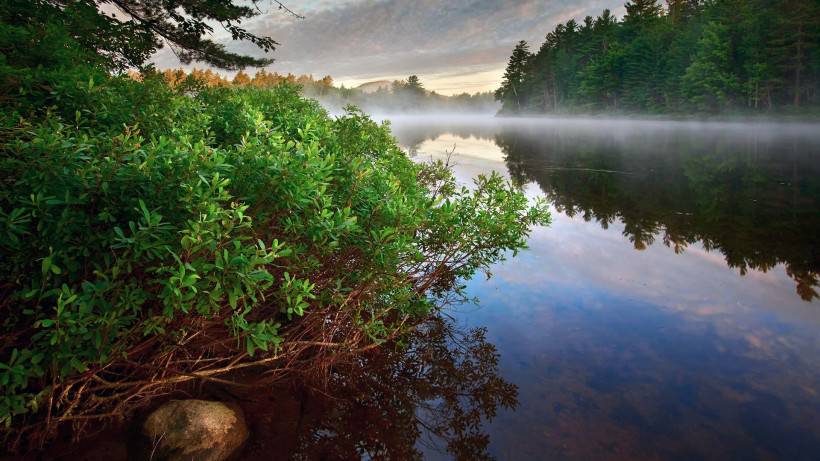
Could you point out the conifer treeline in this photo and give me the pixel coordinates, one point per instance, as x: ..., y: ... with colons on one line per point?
x: 684, y: 56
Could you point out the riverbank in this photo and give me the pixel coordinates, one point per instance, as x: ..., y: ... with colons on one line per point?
x: 160, y: 237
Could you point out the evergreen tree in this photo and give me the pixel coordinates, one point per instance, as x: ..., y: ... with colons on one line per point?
x: 414, y: 85
x: 796, y: 38
x: 681, y: 10
x: 695, y: 54
x: 709, y: 82
x: 128, y: 32
x: 642, y: 11
x: 511, y: 91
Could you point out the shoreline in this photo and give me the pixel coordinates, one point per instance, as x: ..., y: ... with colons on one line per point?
x: 667, y: 117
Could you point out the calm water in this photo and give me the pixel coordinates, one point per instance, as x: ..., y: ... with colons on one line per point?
x: 669, y: 312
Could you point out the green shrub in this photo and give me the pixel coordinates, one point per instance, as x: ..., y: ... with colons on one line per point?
x: 133, y: 215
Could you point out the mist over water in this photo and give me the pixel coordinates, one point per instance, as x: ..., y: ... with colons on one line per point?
x: 671, y: 309
x: 486, y: 125
x: 388, y: 104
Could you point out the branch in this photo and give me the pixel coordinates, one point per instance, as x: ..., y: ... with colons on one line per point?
x: 283, y: 7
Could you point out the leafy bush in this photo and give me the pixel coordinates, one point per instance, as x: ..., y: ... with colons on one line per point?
x: 150, y: 236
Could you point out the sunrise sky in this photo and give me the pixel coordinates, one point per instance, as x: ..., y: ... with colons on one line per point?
x: 454, y: 46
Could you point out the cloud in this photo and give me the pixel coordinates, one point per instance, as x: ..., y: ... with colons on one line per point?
x: 359, y: 40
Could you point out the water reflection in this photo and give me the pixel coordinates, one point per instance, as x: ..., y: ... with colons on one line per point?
x: 604, y: 375
x: 626, y: 325
x: 750, y: 192
x: 586, y: 348
x: 430, y: 395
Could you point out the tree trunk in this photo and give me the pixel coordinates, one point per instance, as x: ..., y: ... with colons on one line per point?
x: 517, y: 100
x: 798, y: 68
x: 546, y: 96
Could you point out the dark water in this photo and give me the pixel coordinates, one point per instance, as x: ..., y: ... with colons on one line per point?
x: 669, y: 312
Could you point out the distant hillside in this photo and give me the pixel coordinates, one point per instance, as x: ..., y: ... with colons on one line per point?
x: 409, y: 97
x: 372, y: 87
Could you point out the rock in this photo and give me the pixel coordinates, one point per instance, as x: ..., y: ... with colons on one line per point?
x: 184, y: 430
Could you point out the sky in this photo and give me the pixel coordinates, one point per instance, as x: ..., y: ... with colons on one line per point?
x: 453, y: 46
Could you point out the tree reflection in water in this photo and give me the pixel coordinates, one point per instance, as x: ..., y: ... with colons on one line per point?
x: 431, y: 393
x: 750, y: 192
x: 754, y: 202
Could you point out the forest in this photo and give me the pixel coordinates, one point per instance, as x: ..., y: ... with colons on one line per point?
x: 688, y: 56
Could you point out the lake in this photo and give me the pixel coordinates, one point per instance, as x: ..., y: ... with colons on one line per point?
x: 669, y: 312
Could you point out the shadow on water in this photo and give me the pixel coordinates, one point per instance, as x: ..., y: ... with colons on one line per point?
x: 429, y: 395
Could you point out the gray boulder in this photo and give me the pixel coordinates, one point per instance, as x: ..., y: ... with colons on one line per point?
x: 185, y: 430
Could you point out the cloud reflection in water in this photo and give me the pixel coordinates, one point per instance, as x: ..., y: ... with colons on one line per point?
x: 628, y: 326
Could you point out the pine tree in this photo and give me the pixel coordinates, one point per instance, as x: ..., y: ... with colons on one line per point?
x: 642, y: 11
x: 126, y: 33
x: 681, y: 10
x: 796, y: 37
x: 511, y: 91
x: 705, y: 54
x: 414, y: 85
x: 709, y: 81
